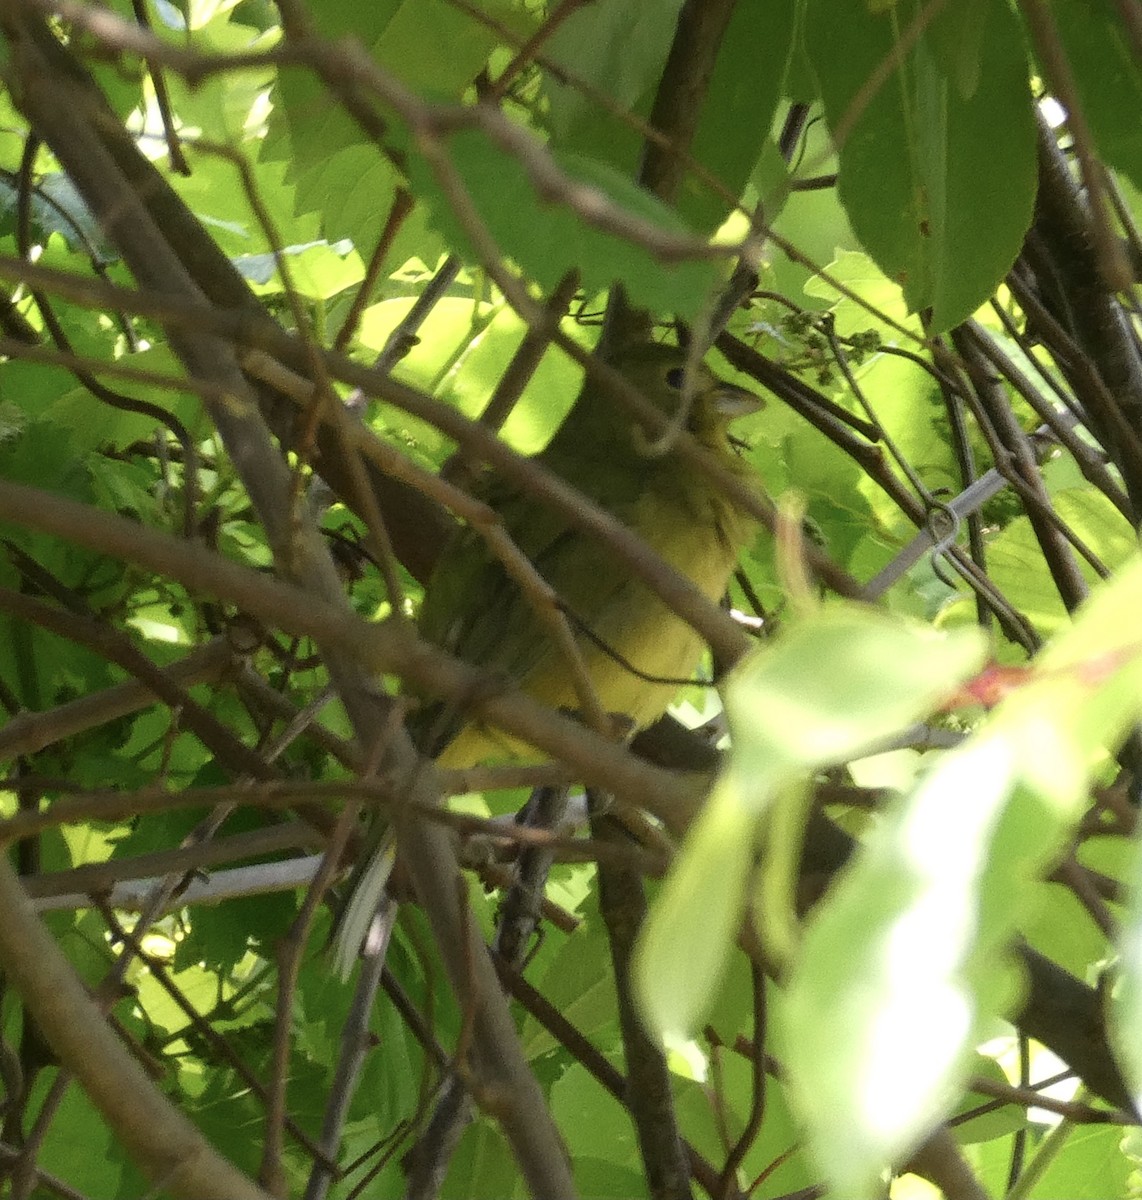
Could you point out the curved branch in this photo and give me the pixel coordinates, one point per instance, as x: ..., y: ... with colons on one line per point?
x: 167, y: 1145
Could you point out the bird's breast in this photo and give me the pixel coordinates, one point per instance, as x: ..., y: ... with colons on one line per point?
x: 701, y: 535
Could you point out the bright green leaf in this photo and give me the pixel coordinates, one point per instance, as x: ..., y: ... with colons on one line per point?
x: 938, y: 189
x: 687, y: 937
x: 901, y: 964
x: 834, y: 683
x: 549, y: 239
x: 1126, y: 1011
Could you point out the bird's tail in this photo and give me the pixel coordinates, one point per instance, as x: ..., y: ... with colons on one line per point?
x: 365, y: 889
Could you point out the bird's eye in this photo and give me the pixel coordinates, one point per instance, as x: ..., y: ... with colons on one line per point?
x: 675, y: 376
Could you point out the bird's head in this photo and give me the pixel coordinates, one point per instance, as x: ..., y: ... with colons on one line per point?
x: 702, y: 404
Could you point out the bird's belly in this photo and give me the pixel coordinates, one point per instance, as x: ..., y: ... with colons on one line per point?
x: 639, y: 652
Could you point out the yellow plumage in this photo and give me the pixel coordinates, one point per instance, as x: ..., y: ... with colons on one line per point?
x: 474, y: 610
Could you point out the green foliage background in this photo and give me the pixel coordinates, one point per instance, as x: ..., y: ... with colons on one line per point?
x: 877, y: 168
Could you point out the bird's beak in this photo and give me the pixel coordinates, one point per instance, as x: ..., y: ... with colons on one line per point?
x: 731, y: 402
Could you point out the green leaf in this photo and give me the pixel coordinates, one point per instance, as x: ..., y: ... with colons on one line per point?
x: 549, y: 239
x: 938, y: 189
x: 618, y: 49
x: 429, y: 45
x: 993, y: 1122
x: 480, y: 1167
x: 595, y: 1124
x: 317, y: 271
x: 900, y: 967
x: 576, y: 986
x: 861, y: 276
x: 78, y: 1144
x: 1126, y: 1009
x: 1089, y: 686
x: 1105, y: 68
x: 739, y: 108
x: 879, y: 1013
x: 435, y: 46
x: 720, y: 1103
x: 1091, y: 1166
x: 832, y: 685
x: 836, y: 683
x: 686, y: 940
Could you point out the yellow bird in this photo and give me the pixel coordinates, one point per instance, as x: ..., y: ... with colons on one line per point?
x: 474, y: 610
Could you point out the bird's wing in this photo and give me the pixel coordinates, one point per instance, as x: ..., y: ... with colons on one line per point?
x: 476, y: 611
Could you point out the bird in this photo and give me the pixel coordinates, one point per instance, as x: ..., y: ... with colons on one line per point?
x: 636, y: 651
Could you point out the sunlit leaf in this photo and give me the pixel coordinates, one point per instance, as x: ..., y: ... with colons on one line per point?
x: 939, y: 191
x: 900, y: 965
x: 688, y: 936
x: 835, y: 683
